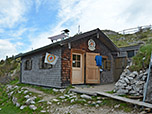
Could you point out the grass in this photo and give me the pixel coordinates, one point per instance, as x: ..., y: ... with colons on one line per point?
x: 138, y: 62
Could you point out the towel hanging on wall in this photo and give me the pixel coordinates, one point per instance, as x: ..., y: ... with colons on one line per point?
x: 98, y: 59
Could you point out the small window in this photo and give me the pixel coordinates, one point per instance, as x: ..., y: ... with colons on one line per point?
x: 43, y: 65
x: 130, y: 53
x: 76, y: 60
x: 28, y: 64
x: 106, y: 64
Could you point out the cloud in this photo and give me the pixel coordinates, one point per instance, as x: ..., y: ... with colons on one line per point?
x: 11, y: 12
x: 104, y: 14
x: 7, y: 49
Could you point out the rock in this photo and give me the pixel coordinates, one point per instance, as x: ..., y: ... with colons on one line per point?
x: 43, y: 111
x: 132, y: 92
x: 128, y: 87
x: 19, y: 91
x: 40, y: 101
x: 16, y: 87
x: 98, y: 102
x: 140, y: 71
x: 126, y: 80
x: 122, y: 92
x: 49, y: 103
x: 10, y: 94
x: 85, y: 104
x: 147, y: 109
x: 72, y: 100
x: 144, y: 78
x: 127, y: 67
x: 143, y: 112
x: 55, y: 100
x: 9, y: 87
x: 26, y: 91
x: 66, y: 95
x: 98, y: 98
x: 97, y: 105
x: 130, y: 78
x: 58, y: 103
x: 135, y: 73
x: 33, y: 98
x: 55, y: 90
x: 117, y: 106
x: 89, y: 102
x: 62, y: 90
x: 22, y: 107
x: 32, y: 102
x: 28, y: 101
x: 93, y: 103
x: 14, y: 100
x: 27, y: 96
x: 33, y: 107
x: 62, y: 97
x: 85, y: 96
x: 132, y: 75
x: 17, y: 104
x: 122, y: 81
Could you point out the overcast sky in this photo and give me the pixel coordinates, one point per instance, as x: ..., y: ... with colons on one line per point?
x: 27, y: 24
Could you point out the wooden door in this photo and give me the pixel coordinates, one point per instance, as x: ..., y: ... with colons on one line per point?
x: 77, y: 68
x: 92, y: 71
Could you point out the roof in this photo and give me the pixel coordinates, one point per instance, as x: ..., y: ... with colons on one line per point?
x: 112, y: 47
x: 127, y: 48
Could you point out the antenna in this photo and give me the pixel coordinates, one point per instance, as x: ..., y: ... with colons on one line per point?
x: 78, y: 29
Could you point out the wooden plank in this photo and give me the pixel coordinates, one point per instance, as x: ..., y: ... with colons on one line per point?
x: 92, y: 71
x: 83, y: 92
x: 136, y: 102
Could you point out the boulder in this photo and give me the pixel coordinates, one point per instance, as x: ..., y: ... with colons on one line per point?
x: 62, y: 97
x: 26, y: 91
x: 55, y: 100
x: 126, y: 80
x: 27, y: 96
x: 122, y: 92
x: 22, y: 107
x: 33, y: 107
x: 55, y: 90
x: 85, y: 96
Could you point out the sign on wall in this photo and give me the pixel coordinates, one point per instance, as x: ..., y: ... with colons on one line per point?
x: 50, y: 58
x: 91, y: 45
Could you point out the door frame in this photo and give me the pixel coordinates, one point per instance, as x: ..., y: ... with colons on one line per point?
x: 79, y: 51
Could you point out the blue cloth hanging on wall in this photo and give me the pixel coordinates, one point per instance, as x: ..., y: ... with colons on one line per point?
x: 98, y: 59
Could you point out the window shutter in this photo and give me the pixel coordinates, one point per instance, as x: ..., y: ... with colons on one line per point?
x: 40, y: 63
x: 108, y: 64
x: 104, y: 64
x: 30, y: 64
x: 25, y: 65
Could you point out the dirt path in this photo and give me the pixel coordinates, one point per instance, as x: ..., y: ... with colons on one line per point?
x: 94, y: 88
x: 46, y: 97
x: 79, y: 109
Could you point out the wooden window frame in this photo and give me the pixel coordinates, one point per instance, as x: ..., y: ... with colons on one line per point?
x: 106, y: 64
x: 28, y: 64
x: 43, y: 65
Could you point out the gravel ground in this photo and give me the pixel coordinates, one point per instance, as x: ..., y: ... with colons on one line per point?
x: 79, y: 109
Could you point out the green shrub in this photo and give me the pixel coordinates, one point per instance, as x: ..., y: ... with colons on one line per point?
x: 138, y: 62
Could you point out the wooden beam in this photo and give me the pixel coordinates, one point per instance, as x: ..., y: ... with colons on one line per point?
x: 136, y: 102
